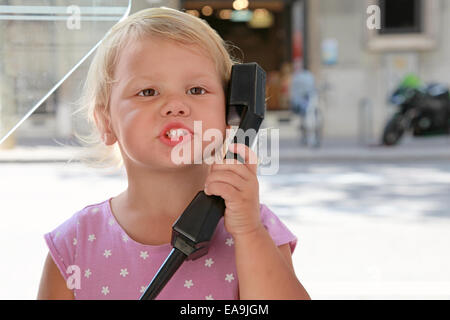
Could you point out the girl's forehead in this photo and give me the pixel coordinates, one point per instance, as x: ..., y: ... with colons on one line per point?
x: 150, y: 58
x: 136, y: 53
x: 152, y: 46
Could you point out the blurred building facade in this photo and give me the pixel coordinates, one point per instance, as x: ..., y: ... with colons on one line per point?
x: 355, y: 66
x: 414, y: 37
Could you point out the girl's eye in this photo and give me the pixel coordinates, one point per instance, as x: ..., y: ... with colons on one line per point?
x: 197, y: 90
x: 147, y: 92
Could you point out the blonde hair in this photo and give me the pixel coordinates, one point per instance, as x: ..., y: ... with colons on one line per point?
x: 163, y: 22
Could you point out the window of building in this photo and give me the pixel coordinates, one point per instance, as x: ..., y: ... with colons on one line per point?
x: 404, y: 25
x: 400, y: 16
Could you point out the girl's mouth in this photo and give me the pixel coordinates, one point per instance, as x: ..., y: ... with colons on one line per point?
x: 174, y: 136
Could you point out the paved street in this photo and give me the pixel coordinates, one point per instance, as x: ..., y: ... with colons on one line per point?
x: 366, y: 230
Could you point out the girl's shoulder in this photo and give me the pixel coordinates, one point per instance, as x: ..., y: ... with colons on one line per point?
x: 94, y: 215
x: 277, y: 229
x: 64, y: 240
x: 90, y: 216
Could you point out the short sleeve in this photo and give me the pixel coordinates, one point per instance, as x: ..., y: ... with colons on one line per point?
x: 62, y: 243
x: 277, y: 229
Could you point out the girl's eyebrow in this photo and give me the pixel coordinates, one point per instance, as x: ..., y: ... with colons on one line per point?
x: 197, y: 76
x: 130, y: 81
x: 134, y: 78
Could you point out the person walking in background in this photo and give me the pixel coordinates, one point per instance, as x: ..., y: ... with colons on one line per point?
x: 302, y: 90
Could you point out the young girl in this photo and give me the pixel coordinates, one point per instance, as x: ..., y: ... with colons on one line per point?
x: 161, y: 69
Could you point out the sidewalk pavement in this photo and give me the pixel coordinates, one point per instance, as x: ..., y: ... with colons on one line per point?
x: 331, y: 150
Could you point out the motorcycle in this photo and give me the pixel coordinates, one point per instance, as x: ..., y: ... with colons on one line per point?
x: 422, y: 109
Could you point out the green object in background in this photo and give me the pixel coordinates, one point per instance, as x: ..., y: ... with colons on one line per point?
x: 411, y: 81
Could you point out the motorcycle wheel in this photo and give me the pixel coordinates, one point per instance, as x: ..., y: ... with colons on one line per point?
x: 393, y: 131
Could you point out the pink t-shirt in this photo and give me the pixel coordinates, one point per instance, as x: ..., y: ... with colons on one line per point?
x: 103, y: 262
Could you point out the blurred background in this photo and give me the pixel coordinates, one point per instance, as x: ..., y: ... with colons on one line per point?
x: 357, y: 88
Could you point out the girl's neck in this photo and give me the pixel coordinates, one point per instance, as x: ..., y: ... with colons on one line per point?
x: 163, y: 194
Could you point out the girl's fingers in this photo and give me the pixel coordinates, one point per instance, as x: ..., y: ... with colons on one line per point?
x: 226, y: 176
x: 247, y: 154
x: 236, y: 167
x: 222, y: 189
x: 245, y: 170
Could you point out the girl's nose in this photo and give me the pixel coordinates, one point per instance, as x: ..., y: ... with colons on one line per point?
x: 176, y: 107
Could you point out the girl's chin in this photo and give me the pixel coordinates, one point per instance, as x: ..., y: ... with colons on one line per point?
x: 161, y: 155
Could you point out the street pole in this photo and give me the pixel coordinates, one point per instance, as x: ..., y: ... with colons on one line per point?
x: 7, y: 101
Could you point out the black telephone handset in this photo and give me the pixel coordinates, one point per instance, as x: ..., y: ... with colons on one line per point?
x: 193, y: 230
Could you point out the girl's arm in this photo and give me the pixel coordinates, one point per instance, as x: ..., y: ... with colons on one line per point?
x: 265, y: 271
x: 53, y: 286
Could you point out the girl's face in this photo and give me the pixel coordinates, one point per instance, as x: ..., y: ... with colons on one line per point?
x: 160, y: 82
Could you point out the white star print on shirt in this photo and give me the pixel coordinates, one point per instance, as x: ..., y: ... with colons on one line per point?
x: 209, y: 297
x: 74, y: 241
x: 144, y: 255
x: 229, y: 277
x: 188, y: 284
x: 209, y: 262
x: 105, y: 290
x: 94, y: 210
x: 126, y: 284
x: 111, y: 221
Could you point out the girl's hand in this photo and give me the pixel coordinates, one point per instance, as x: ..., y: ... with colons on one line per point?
x: 237, y: 184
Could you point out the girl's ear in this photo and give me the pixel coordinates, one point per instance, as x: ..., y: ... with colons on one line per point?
x: 103, y: 123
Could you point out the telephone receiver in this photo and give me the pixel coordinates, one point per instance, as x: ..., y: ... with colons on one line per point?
x: 193, y: 230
